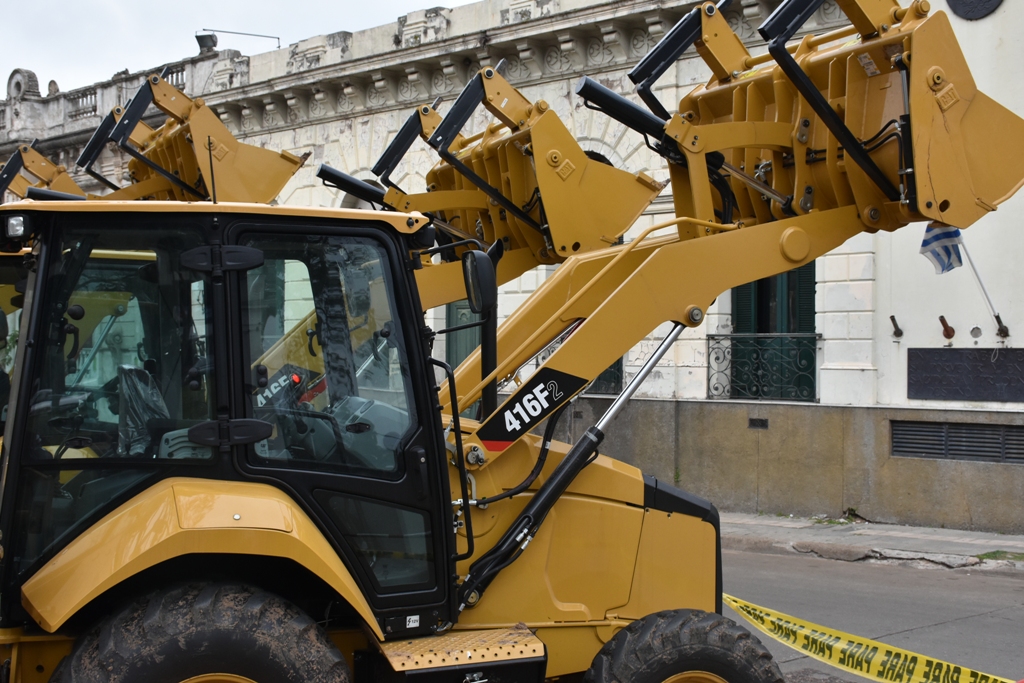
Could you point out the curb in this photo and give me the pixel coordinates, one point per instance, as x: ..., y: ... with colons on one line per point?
x: 855, y: 553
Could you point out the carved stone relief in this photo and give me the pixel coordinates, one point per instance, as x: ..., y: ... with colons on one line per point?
x: 557, y: 61
x: 829, y: 12
x: 297, y: 108
x: 744, y: 23
x: 640, y: 43
x: 300, y: 59
x: 599, y: 54
x: 380, y: 91
x: 516, y: 69
x: 320, y: 103
x: 272, y: 115
x: 423, y: 26
x: 348, y: 98
x: 250, y: 115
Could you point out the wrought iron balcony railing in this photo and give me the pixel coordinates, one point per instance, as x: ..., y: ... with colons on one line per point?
x: 778, y: 367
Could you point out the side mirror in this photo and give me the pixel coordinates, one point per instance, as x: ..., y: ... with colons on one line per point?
x: 481, y: 281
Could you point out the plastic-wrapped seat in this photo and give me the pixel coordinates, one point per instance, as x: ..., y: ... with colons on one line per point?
x: 140, y: 402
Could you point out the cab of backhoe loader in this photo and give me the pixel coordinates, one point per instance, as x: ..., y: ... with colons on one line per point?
x: 195, y: 345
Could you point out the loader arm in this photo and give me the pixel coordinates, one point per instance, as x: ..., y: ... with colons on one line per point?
x: 845, y: 136
x: 48, y: 175
x: 617, y: 295
x: 524, y: 181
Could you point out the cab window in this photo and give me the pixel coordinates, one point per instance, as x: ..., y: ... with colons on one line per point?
x: 125, y: 369
x: 122, y: 370
x: 329, y: 367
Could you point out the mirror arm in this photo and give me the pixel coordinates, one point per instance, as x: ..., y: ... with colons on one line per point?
x: 456, y: 328
x: 451, y: 245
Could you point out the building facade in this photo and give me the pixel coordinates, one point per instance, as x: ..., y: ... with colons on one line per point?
x: 818, y: 391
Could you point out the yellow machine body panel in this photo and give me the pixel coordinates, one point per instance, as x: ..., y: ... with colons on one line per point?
x: 598, y: 561
x: 177, y: 517
x: 33, y: 658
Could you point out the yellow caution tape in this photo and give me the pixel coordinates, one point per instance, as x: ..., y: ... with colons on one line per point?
x: 861, y: 656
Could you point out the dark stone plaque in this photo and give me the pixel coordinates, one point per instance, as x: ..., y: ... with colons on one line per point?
x: 974, y: 9
x: 966, y: 374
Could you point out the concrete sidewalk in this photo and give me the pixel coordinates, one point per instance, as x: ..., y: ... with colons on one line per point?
x: 860, y: 541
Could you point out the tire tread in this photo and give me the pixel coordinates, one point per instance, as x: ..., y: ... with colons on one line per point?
x: 670, y: 641
x: 183, y: 620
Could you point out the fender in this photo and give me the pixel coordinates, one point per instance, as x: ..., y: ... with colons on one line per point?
x: 176, y: 517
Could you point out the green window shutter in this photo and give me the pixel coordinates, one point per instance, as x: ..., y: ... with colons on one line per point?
x: 804, y: 298
x: 744, y: 313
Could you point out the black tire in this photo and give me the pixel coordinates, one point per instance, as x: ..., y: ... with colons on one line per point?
x: 199, y: 629
x: 666, y: 644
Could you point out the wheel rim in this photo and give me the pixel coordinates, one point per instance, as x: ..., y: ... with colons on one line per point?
x: 695, y: 677
x: 220, y: 678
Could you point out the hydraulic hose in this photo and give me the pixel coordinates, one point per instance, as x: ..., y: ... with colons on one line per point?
x: 549, y: 432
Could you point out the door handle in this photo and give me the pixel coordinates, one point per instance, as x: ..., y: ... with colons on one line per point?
x: 418, y: 455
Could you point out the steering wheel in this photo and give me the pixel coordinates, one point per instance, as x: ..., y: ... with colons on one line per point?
x: 299, y: 435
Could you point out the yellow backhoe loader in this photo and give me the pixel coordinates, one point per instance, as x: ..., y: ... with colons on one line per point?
x: 216, y: 498
x: 181, y: 160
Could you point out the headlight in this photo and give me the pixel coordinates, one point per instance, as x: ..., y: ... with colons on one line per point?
x: 15, y: 229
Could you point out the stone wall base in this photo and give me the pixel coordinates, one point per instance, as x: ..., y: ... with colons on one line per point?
x: 811, y: 459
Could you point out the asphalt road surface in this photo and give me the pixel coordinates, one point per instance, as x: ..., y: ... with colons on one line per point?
x: 973, y: 619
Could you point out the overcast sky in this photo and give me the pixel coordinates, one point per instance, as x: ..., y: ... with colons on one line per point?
x: 80, y: 42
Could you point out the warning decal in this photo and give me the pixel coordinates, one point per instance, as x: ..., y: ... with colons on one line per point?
x: 862, y: 656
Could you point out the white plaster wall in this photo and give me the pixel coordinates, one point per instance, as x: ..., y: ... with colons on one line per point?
x: 905, y: 283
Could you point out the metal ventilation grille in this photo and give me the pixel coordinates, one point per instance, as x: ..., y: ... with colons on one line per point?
x: 958, y: 441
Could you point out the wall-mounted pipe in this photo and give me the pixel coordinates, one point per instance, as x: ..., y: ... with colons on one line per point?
x: 896, y: 331
x: 947, y: 331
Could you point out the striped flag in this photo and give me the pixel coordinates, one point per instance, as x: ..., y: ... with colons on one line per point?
x: 941, y: 245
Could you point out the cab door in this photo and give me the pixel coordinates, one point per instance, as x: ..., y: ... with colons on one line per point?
x: 328, y: 332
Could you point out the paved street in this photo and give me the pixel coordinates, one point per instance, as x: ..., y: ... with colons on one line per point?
x: 971, y: 618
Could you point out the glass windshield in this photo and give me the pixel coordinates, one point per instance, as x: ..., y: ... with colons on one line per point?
x: 124, y: 370
x: 330, y: 370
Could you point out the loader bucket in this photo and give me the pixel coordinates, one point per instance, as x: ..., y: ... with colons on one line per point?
x: 965, y: 143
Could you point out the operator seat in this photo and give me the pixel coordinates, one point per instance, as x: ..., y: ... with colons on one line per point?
x: 140, y: 402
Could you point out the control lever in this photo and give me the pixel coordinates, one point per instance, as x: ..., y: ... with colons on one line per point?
x: 310, y: 334
x: 75, y: 312
x: 72, y: 330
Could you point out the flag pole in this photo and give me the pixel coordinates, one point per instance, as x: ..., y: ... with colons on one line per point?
x: 1003, y: 331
